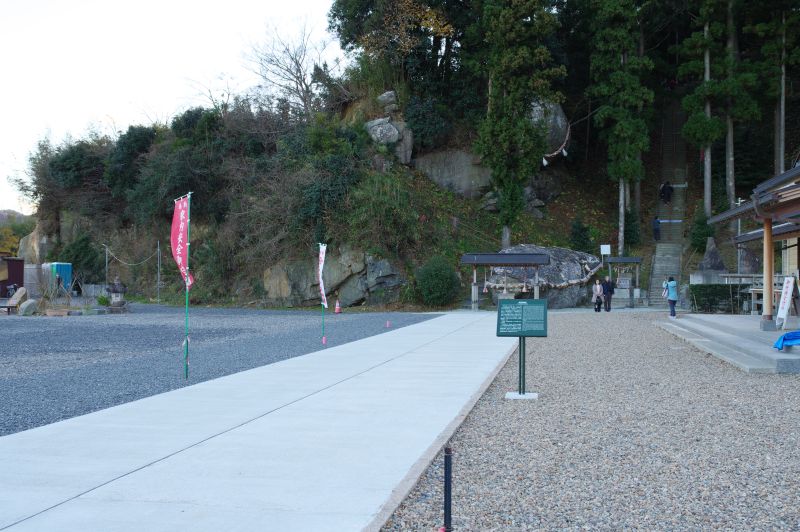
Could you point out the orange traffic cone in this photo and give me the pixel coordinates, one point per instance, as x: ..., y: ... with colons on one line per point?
x: 338, y: 309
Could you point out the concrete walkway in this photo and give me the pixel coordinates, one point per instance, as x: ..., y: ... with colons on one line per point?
x: 737, y: 340
x: 327, y: 441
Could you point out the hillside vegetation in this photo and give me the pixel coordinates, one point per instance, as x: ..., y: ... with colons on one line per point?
x: 276, y: 170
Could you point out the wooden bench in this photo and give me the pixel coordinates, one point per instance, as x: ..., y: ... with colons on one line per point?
x: 18, y: 298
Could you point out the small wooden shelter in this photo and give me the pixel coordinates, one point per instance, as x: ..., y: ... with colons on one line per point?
x: 775, y: 204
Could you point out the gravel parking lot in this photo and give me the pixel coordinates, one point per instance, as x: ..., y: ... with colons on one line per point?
x: 633, y: 429
x: 57, y: 368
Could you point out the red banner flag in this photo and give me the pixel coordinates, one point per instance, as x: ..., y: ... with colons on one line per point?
x: 322, y: 248
x: 179, y: 238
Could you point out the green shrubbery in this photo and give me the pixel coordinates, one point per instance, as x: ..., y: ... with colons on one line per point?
x: 426, y: 120
x: 714, y: 297
x: 437, y: 282
x: 86, y: 259
x: 580, y: 236
x: 700, y: 230
x: 633, y: 231
x: 381, y: 214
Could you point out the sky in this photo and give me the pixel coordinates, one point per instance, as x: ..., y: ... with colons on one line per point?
x: 69, y: 68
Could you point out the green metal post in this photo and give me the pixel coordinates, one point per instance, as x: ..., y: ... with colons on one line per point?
x: 522, y: 365
x: 186, y: 283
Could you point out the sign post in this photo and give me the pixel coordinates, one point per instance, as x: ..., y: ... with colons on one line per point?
x: 605, y: 251
x: 787, y: 294
x: 522, y: 318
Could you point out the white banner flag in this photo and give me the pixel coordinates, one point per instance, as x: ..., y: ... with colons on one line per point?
x: 322, y: 248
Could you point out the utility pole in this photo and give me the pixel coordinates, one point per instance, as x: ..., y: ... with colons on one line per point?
x: 739, y: 201
x: 106, y: 248
x: 158, y: 275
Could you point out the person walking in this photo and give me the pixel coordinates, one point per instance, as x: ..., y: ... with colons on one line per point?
x: 656, y: 229
x: 667, y: 193
x: 597, y: 295
x: 608, y: 291
x: 671, y: 289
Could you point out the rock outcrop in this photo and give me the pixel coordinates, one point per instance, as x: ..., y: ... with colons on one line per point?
x: 34, y: 247
x: 562, y: 282
x: 712, y: 260
x: 751, y: 261
x: 391, y: 129
x: 456, y: 170
x: 353, y: 276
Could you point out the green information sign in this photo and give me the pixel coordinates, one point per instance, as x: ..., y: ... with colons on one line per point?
x: 522, y: 317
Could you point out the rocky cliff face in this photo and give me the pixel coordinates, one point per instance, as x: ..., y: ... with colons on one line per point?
x: 459, y: 170
x: 34, y: 247
x: 352, y: 276
x: 456, y: 170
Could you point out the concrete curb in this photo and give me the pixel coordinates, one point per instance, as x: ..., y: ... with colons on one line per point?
x: 405, y: 486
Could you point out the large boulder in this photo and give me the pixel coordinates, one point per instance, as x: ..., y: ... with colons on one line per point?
x: 35, y: 246
x: 387, y: 98
x: 456, y: 170
x: 383, y: 281
x: 351, y: 275
x: 27, y: 308
x: 552, y: 116
x: 405, y: 146
x: 712, y: 260
x: 751, y: 261
x: 382, y: 131
x: 562, y: 282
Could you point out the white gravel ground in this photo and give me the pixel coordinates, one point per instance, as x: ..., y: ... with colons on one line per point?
x: 632, y: 429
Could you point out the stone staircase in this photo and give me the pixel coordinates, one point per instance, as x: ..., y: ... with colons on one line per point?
x: 667, y: 263
x: 667, y: 259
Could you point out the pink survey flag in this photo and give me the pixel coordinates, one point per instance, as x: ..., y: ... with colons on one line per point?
x: 179, y: 238
x: 322, y: 248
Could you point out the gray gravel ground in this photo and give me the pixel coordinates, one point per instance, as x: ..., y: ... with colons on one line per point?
x: 633, y: 429
x: 57, y: 368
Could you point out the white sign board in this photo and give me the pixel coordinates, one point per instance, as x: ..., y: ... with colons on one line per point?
x: 605, y: 249
x: 786, y: 301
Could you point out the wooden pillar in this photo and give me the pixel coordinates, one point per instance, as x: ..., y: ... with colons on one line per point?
x: 536, y: 283
x: 769, y: 270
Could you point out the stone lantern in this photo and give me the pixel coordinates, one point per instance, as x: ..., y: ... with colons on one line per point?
x: 117, y: 290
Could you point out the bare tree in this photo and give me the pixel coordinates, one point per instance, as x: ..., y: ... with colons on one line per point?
x: 287, y: 67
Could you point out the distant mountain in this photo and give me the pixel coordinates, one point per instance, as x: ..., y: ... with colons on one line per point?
x: 8, y: 213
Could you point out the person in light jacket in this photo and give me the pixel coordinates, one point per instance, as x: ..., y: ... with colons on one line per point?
x: 672, y: 295
x: 597, y: 295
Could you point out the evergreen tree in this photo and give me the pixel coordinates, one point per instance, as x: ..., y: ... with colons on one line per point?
x: 736, y: 88
x: 702, y: 128
x: 617, y: 69
x: 776, y: 23
x: 520, y: 74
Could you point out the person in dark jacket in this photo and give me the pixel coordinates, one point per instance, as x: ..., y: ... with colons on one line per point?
x: 656, y: 229
x: 608, y: 291
x: 667, y: 193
